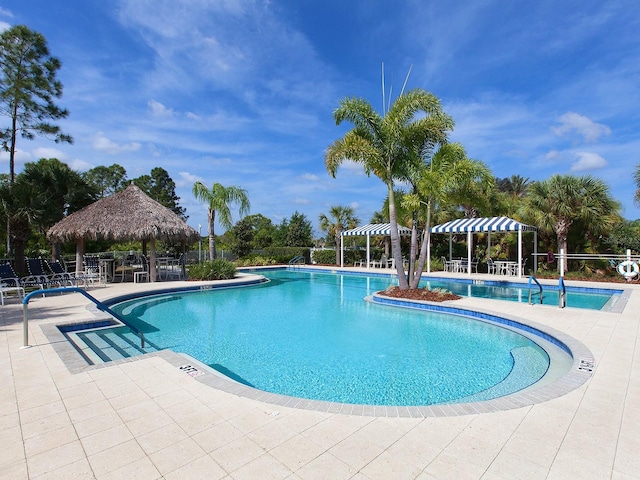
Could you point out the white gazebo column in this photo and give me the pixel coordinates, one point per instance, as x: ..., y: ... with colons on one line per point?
x: 520, y: 252
x: 368, y: 251
x: 341, y: 251
x: 469, y: 247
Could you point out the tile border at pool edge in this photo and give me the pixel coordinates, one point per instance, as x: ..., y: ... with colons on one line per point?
x: 572, y: 380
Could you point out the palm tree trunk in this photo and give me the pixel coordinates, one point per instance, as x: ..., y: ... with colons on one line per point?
x: 212, y: 236
x: 413, y: 250
x: 337, y: 237
x: 395, y: 242
x: 426, y: 240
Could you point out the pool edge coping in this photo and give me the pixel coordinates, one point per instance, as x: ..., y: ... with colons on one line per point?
x: 580, y: 372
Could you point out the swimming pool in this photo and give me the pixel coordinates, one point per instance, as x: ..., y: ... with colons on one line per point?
x: 608, y: 299
x: 311, y: 335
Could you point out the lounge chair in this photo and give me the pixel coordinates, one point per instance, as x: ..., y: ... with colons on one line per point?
x: 9, y: 282
x: 37, y: 275
x: 60, y: 275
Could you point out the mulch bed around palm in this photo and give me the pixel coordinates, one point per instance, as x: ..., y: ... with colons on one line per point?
x: 419, y: 294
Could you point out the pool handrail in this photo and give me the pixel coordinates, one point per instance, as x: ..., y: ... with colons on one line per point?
x: 539, y: 292
x: 562, y: 293
x: 101, y: 306
x: 298, y: 259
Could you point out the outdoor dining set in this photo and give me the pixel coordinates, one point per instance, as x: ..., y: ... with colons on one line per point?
x: 494, y: 267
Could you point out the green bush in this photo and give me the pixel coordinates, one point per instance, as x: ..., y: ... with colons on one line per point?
x: 213, y: 270
x: 284, y: 254
x: 254, y: 261
x: 324, y: 257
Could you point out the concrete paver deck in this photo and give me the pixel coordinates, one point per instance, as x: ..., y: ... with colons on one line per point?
x: 147, y: 419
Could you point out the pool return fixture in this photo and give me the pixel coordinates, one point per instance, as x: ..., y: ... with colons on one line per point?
x: 101, y: 306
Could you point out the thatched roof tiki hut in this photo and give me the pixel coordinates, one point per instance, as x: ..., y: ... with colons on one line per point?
x: 127, y: 215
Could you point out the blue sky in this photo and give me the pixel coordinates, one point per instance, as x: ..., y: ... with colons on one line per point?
x: 242, y: 92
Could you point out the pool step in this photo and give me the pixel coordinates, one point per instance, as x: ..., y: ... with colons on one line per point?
x: 108, y: 344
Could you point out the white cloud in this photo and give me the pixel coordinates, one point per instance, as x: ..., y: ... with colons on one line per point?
x: 583, y: 126
x: 588, y: 161
x: 79, y: 165
x: 187, y: 179
x: 310, y: 177
x: 102, y: 143
x: 43, y: 152
x: 159, y: 110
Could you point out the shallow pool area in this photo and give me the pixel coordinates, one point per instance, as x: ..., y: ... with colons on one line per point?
x: 311, y: 335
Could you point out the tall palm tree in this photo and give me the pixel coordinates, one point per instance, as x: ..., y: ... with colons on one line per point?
x: 339, y: 219
x: 636, y: 178
x: 218, y: 200
x: 445, y: 178
x: 555, y: 204
x: 383, y: 145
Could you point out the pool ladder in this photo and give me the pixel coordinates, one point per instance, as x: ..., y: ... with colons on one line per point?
x: 562, y: 291
x: 297, y: 260
x: 533, y: 279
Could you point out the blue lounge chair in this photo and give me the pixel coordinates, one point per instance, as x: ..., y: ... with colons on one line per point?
x: 37, y: 275
x: 60, y: 275
x: 9, y: 282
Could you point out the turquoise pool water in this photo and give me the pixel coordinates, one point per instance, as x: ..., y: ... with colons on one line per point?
x: 589, y: 299
x: 311, y: 335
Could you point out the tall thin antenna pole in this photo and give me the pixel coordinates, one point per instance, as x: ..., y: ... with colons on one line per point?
x: 406, y: 79
x: 383, y: 99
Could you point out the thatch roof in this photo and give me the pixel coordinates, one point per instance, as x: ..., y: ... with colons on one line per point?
x: 127, y: 215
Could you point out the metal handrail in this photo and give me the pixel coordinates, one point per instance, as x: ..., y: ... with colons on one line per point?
x: 297, y: 260
x: 101, y: 306
x: 531, y: 280
x: 562, y: 293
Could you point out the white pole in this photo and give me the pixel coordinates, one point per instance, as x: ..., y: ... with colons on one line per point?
x: 520, y: 253
x: 469, y: 238
x: 368, y: 252
x: 561, y: 259
x: 199, y: 243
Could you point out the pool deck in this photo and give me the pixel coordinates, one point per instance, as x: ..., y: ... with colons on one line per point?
x: 147, y: 419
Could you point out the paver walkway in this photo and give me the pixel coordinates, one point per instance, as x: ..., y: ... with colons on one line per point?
x: 147, y: 419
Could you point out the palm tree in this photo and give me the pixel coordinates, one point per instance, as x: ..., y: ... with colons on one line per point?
x: 218, y: 199
x: 555, y: 204
x: 636, y: 178
x: 384, y: 145
x: 450, y: 176
x: 339, y: 219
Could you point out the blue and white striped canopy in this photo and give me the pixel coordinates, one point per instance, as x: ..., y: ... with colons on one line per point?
x: 376, y: 229
x: 493, y: 224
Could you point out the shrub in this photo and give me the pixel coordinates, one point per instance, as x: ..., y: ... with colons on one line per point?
x: 284, y: 254
x: 254, y: 261
x: 214, y: 270
x: 324, y: 257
